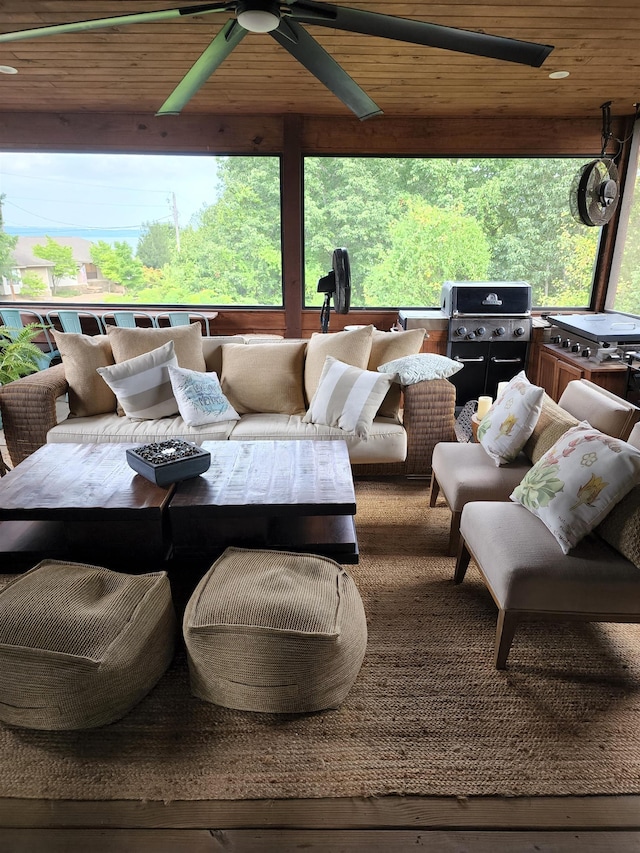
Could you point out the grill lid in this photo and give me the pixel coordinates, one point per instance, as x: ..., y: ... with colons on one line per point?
x: 610, y: 327
x: 486, y: 298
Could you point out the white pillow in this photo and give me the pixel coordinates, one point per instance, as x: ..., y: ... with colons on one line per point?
x: 509, y: 423
x: 142, y: 383
x: 347, y: 397
x: 200, y: 398
x: 414, y: 368
x: 578, y: 481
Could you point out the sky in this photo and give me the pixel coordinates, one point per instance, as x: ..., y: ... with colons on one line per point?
x: 104, y: 196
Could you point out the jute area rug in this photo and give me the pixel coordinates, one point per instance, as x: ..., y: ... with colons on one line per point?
x: 429, y: 715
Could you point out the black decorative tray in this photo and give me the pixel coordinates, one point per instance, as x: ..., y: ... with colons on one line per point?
x: 166, y: 462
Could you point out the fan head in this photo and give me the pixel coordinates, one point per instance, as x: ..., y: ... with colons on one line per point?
x: 336, y: 283
x: 595, y: 192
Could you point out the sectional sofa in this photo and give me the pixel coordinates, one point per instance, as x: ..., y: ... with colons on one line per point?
x: 269, y: 384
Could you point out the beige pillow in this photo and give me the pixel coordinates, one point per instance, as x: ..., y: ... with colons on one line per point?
x: 129, y: 343
x: 353, y: 347
x: 553, y: 422
x: 142, y: 384
x: 388, y: 346
x: 82, y: 355
x: 621, y: 527
x: 265, y: 378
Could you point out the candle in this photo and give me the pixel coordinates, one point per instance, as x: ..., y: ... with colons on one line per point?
x: 484, y: 404
x: 501, y: 387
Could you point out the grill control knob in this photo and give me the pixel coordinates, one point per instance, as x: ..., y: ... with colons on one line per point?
x: 461, y: 331
x: 586, y: 353
x: 575, y: 348
x: 499, y: 332
x: 518, y: 331
x: 556, y: 339
x: 480, y: 331
x: 470, y: 337
x: 566, y: 344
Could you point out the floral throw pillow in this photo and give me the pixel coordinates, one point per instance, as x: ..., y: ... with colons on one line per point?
x: 578, y: 481
x: 200, y: 398
x: 504, y: 430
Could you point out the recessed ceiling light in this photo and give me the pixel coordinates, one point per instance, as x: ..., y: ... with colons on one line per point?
x: 558, y: 75
x: 8, y: 69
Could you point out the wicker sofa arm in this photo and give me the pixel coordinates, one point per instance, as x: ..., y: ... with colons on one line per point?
x: 429, y: 417
x: 28, y: 408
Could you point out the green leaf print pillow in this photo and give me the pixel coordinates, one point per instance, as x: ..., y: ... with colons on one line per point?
x: 578, y: 481
x: 509, y: 423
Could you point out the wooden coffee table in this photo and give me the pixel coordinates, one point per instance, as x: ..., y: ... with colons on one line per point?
x: 82, y: 502
x: 290, y: 495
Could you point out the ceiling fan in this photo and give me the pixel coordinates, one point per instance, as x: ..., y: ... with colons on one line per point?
x: 282, y: 22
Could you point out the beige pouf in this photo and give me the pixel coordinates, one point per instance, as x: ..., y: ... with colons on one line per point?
x: 274, y: 631
x: 81, y: 645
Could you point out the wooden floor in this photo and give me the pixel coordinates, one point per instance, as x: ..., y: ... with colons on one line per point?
x: 390, y: 824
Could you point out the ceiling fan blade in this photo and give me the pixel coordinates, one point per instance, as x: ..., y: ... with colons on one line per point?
x: 121, y: 20
x: 227, y: 39
x: 316, y: 60
x: 419, y: 32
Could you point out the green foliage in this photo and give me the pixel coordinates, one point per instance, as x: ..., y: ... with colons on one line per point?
x: 32, y: 285
x: 7, y: 245
x: 155, y: 244
x: 19, y: 356
x: 428, y: 246
x: 116, y: 262
x: 64, y: 265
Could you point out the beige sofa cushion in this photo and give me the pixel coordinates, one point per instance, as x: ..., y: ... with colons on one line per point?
x: 264, y: 378
x: 82, y: 355
x: 352, y: 347
x: 387, y: 346
x: 129, y: 343
x: 212, y: 350
x: 552, y: 424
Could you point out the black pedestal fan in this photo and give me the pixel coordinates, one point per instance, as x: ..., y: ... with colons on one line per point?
x: 336, y: 283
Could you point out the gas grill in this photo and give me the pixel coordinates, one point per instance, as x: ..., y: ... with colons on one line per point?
x: 489, y: 330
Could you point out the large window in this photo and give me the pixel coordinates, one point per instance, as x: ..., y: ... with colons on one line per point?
x: 410, y: 224
x: 141, y: 229
x: 624, y: 289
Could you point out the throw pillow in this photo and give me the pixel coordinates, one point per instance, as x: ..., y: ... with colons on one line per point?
x: 416, y: 368
x: 621, y: 527
x: 129, y: 343
x: 347, y: 397
x: 504, y: 430
x: 352, y: 347
x: 142, y: 384
x: 264, y: 378
x: 553, y: 422
x: 578, y: 481
x: 200, y: 398
x: 81, y: 356
x: 386, y: 346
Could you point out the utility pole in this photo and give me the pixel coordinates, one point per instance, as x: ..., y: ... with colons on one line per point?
x: 176, y: 225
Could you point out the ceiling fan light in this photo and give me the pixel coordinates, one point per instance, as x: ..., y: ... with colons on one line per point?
x: 259, y: 17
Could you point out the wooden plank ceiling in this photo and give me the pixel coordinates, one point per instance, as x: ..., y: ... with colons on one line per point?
x: 133, y: 68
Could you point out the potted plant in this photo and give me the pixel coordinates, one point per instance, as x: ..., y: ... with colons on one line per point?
x: 19, y: 356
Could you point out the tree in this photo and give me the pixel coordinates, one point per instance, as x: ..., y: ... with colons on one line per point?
x: 32, y: 285
x: 155, y: 244
x: 64, y: 265
x: 118, y: 264
x: 428, y: 246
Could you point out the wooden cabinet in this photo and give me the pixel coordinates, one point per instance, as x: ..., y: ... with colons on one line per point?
x: 556, y: 368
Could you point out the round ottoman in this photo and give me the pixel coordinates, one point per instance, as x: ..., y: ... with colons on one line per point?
x: 81, y: 645
x: 274, y: 631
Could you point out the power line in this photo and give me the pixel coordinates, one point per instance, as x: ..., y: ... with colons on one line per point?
x: 74, y: 225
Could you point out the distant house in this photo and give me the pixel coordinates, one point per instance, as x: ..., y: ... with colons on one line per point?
x: 88, y: 278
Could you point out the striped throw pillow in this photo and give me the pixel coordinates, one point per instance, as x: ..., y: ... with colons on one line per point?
x: 142, y: 384
x: 347, y: 397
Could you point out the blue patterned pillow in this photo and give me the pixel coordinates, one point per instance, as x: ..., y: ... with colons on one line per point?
x: 200, y: 398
